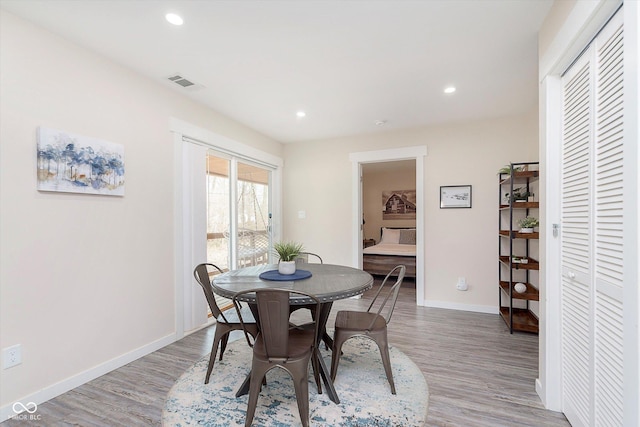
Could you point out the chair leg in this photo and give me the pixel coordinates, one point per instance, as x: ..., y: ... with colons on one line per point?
x: 316, y: 369
x: 223, y: 344
x: 257, y: 377
x: 301, y: 385
x: 386, y: 360
x: 338, y: 340
x: 214, y: 350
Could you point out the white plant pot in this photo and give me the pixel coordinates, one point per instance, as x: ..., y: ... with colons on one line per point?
x: 526, y: 230
x: 287, y: 267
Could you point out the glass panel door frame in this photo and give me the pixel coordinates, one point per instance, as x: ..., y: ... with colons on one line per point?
x: 253, y: 240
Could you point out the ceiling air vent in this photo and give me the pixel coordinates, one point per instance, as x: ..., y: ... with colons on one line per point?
x: 181, y: 81
x: 184, y: 82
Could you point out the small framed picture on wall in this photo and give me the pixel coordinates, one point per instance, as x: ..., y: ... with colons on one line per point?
x: 455, y: 196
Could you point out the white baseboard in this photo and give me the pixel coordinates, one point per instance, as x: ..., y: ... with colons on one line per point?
x: 488, y: 309
x: 70, y: 383
x: 540, y: 391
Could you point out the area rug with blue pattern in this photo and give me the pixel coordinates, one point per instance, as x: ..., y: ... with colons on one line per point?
x: 361, y: 384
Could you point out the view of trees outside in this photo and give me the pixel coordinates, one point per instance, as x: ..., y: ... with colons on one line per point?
x: 252, y: 208
x: 218, y: 213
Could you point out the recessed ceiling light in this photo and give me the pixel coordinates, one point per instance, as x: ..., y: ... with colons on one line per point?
x: 174, y: 19
x: 381, y: 122
x: 301, y: 114
x: 449, y: 89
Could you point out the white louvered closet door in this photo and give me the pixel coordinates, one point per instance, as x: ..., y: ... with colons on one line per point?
x: 575, y: 243
x: 609, y: 187
x: 592, y: 240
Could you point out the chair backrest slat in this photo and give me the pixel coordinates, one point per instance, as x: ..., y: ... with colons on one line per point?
x: 273, y: 309
x: 201, y: 273
x: 390, y: 296
x: 273, y: 317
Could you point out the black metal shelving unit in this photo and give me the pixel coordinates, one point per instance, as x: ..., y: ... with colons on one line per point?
x: 514, y: 247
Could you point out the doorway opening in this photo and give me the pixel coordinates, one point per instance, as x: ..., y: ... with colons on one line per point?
x: 414, y: 155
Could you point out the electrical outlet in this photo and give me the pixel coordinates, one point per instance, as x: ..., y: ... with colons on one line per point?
x: 11, y: 356
x: 462, y: 284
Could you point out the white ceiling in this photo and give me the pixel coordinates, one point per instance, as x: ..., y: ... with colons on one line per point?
x: 346, y: 63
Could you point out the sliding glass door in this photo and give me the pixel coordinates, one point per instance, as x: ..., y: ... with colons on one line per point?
x: 238, y: 212
x: 253, y: 238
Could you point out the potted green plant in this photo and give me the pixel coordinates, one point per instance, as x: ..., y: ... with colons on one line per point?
x: 288, y: 252
x: 527, y: 224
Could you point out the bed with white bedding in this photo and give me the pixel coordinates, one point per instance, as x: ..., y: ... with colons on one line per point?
x: 397, y: 246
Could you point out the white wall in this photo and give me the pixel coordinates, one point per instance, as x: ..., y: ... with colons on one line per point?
x: 86, y: 282
x: 459, y: 242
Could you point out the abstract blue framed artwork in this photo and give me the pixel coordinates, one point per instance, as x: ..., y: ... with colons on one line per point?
x: 78, y: 164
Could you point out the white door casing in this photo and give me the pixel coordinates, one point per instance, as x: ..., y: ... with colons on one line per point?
x: 417, y: 153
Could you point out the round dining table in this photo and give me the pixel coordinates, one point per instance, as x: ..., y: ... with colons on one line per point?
x: 327, y: 282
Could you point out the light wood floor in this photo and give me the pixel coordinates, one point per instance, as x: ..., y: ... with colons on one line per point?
x: 478, y: 374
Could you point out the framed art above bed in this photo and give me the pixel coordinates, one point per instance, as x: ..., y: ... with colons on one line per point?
x: 399, y: 204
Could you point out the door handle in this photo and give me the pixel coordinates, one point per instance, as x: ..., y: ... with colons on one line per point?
x: 571, y: 275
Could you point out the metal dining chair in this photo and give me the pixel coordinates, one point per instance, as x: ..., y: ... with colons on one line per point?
x: 225, y: 322
x: 307, y: 257
x: 370, y: 324
x: 277, y: 345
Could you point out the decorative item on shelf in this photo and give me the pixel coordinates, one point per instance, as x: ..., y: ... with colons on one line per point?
x: 288, y: 252
x: 531, y: 198
x: 507, y: 169
x: 519, y: 194
x: 527, y: 224
x: 519, y: 260
x: 520, y: 288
